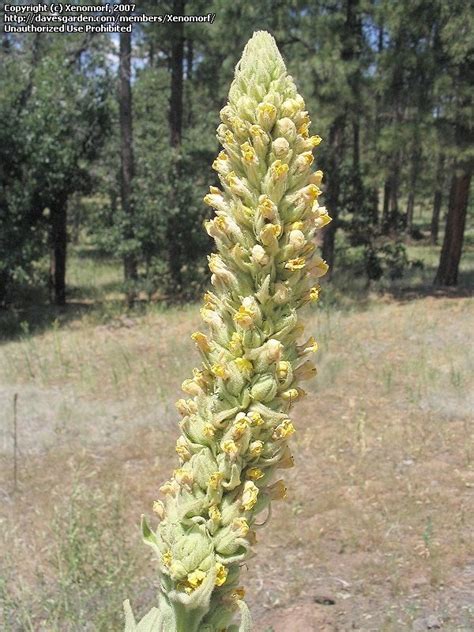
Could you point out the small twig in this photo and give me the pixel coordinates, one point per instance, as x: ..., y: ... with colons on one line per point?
x: 15, y: 443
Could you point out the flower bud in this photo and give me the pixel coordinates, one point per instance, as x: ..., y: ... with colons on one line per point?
x: 280, y: 147
x: 266, y: 115
x: 264, y: 389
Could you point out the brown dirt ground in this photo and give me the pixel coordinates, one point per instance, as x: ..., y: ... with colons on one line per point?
x: 376, y: 534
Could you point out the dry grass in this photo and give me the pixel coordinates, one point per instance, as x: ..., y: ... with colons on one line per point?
x: 376, y: 532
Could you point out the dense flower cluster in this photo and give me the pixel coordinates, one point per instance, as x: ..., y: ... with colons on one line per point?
x: 235, y: 424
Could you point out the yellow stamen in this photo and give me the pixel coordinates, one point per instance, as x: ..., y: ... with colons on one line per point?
x: 215, y: 480
x: 214, y: 513
x: 230, y: 448
x: 249, y: 496
x: 255, y: 473
x: 295, y: 264
x: 244, y: 366
x: 194, y: 580
x: 219, y: 370
x: 283, y: 430
x: 221, y: 575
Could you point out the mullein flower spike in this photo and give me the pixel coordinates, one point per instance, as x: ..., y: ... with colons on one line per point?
x: 236, y: 425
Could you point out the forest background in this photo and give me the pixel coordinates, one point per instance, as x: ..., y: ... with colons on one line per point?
x: 106, y: 150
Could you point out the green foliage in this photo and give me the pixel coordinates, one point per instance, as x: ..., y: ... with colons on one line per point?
x: 49, y: 144
x: 389, y: 82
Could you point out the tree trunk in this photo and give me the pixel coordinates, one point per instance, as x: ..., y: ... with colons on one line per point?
x: 437, y: 200
x: 351, y: 48
x: 336, y: 134
x: 455, y: 222
x: 176, y: 129
x: 127, y: 162
x: 410, y: 211
x: 391, y: 215
x: 176, y: 97
x: 189, y: 58
x: 394, y: 190
x: 58, y: 251
x: 386, y: 201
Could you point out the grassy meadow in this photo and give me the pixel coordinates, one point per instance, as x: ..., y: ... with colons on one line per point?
x: 376, y: 533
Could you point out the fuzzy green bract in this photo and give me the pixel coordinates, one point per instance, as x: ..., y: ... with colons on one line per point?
x: 235, y: 424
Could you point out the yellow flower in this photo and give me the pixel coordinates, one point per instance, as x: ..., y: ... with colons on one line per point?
x: 310, y: 192
x: 249, y: 495
x: 247, y: 313
x: 219, y: 370
x: 255, y: 473
x: 295, y: 264
x: 256, y: 130
x: 244, y: 366
x: 194, y: 580
x: 297, y: 226
x: 241, y: 526
x: 314, y: 293
x: 202, y: 378
x: 255, y: 448
x: 317, y: 177
x: 167, y: 558
x: 211, y: 317
x: 209, y: 430
x: 284, y: 430
x: 320, y: 217
x: 186, y: 407
x: 303, y: 130
x: 293, y: 394
x: 214, y: 513
x: 201, y: 341
x: 244, y: 317
x: 191, y: 388
x: 235, y: 344
x: 239, y: 126
x: 183, y: 477
x: 269, y: 233
x: 215, y: 480
x: 267, y: 208
x: 315, y: 140
x: 230, y: 448
x: 255, y: 418
x: 279, y: 169
x: 159, y: 509
x: 283, y: 369
x: 221, y: 574
x: 169, y: 488
x: 266, y: 115
x: 182, y: 449
x: 310, y: 346
x: 248, y: 154
x: 240, y: 426
x: 221, y: 163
